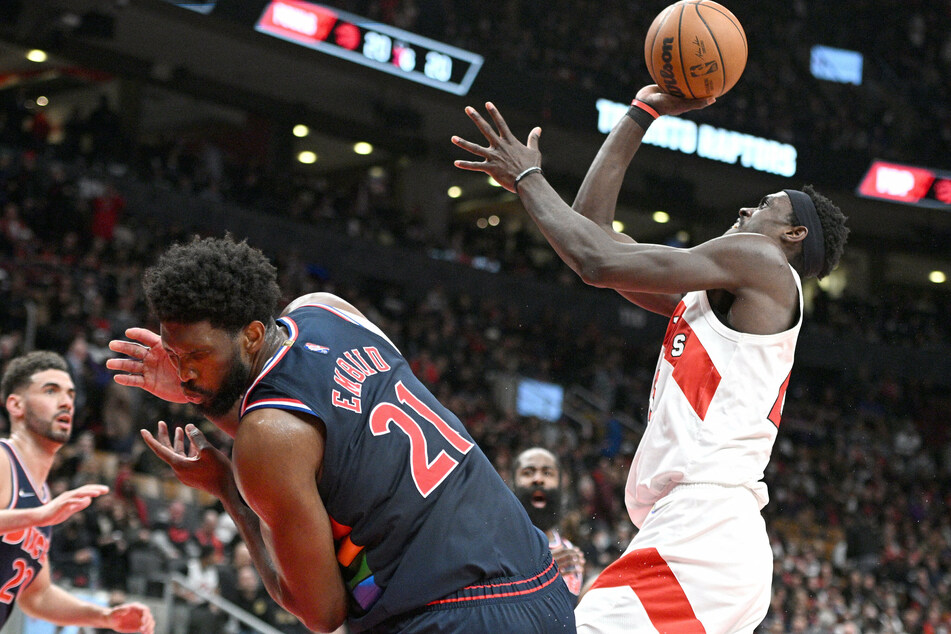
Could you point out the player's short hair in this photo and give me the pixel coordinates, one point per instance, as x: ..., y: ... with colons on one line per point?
x: 518, y: 459
x: 228, y: 283
x: 19, y: 372
x: 835, y: 233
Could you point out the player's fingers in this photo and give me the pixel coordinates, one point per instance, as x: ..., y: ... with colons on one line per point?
x: 144, y: 336
x: 131, y: 366
x: 131, y: 380
x: 128, y: 348
x: 482, y: 124
x: 503, y: 127
x: 179, y: 441
x: 160, y: 450
x: 475, y: 166
x: 468, y: 146
x: 163, y: 434
x: 91, y: 490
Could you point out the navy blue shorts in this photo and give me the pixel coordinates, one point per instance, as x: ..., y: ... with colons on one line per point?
x: 537, y: 605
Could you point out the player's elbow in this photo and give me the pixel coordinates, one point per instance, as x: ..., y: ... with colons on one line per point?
x: 322, y: 620
x: 593, y: 271
x: 325, y: 615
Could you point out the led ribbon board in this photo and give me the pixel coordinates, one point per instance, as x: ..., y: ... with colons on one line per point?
x: 707, y: 141
x: 919, y: 186
x: 371, y: 44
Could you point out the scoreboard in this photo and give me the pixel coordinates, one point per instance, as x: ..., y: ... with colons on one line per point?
x: 371, y: 44
x: 919, y: 186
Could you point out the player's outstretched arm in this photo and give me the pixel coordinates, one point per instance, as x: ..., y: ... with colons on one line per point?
x: 598, y: 194
x: 277, y: 456
x: 55, y: 512
x: 43, y: 600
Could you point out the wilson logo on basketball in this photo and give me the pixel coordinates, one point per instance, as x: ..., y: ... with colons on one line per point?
x: 667, y: 70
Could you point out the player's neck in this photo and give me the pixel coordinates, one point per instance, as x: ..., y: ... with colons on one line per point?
x: 35, y: 453
x: 274, y: 339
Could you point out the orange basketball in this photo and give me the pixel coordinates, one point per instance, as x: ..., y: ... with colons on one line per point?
x: 695, y: 49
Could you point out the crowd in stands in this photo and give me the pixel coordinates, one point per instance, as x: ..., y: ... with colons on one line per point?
x: 860, y: 479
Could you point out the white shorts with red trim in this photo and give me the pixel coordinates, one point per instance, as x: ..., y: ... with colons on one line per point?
x: 701, y: 562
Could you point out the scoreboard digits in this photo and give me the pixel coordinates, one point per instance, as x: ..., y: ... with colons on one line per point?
x: 371, y: 44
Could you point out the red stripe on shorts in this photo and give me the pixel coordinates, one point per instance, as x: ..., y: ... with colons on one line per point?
x: 654, y: 583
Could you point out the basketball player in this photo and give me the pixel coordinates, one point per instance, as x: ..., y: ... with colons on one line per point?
x: 701, y: 561
x: 538, y: 485
x: 39, y: 396
x: 366, y: 499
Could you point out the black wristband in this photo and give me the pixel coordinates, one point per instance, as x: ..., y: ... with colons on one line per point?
x: 530, y: 170
x: 640, y: 116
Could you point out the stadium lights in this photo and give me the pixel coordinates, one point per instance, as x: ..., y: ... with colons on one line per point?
x: 937, y: 277
x: 661, y: 217
x: 36, y: 55
x: 618, y: 226
x: 300, y: 130
x: 454, y: 192
x: 307, y: 157
x: 362, y: 148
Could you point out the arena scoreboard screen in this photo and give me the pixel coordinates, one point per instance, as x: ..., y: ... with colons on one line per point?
x: 371, y: 44
x: 919, y: 186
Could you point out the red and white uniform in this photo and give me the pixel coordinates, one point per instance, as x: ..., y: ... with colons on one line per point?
x: 701, y: 560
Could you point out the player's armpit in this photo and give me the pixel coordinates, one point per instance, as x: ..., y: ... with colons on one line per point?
x: 276, y: 458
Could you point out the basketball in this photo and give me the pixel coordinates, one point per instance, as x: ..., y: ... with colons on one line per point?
x: 695, y: 49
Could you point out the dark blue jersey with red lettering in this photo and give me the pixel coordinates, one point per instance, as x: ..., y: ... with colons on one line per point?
x: 22, y: 552
x: 417, y: 509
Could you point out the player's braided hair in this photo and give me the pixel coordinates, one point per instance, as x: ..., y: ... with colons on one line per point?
x: 228, y: 283
x: 835, y: 233
x: 20, y: 371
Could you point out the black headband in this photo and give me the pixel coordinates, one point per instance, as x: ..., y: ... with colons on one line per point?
x: 813, y: 247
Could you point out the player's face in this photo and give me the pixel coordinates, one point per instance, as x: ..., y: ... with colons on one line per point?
x: 47, y: 405
x: 536, y: 486
x: 210, y: 366
x: 770, y: 217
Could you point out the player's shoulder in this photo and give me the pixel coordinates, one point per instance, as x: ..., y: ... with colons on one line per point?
x: 321, y: 299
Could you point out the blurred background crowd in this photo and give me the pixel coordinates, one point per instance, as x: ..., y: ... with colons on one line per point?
x: 860, y: 479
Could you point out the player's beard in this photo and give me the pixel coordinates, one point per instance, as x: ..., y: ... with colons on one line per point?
x: 46, y: 428
x: 549, y: 515
x: 232, y: 388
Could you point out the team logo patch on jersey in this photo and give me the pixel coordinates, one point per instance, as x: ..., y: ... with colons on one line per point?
x: 313, y: 347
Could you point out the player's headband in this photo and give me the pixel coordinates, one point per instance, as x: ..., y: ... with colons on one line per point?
x: 813, y: 247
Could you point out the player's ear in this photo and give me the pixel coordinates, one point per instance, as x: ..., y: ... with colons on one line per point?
x: 252, y: 337
x: 795, y: 233
x: 14, y: 404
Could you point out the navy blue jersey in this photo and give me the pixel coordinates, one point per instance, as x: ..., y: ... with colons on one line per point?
x: 417, y: 509
x: 22, y: 552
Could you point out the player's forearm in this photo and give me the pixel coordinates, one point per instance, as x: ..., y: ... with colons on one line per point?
x: 249, y: 527
x: 20, y: 519
x: 598, y: 194
x: 59, y: 607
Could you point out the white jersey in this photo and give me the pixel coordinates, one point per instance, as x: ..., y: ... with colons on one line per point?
x: 715, y: 405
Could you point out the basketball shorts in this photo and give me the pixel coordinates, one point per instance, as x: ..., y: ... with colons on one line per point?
x: 701, y: 562
x: 539, y: 604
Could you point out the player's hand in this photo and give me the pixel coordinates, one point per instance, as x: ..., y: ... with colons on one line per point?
x: 570, y: 559
x: 505, y: 157
x: 132, y: 618
x: 665, y: 103
x: 146, y: 365
x: 202, y: 466
x: 66, y: 504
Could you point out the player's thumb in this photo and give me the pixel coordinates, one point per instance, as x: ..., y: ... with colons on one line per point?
x: 533, y: 137
x: 195, y: 436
